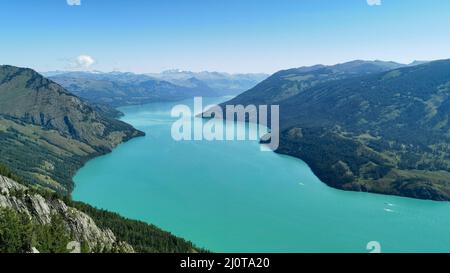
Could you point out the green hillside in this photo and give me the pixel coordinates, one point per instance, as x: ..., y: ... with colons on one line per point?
x: 384, y: 132
x: 46, y: 133
x: 288, y: 83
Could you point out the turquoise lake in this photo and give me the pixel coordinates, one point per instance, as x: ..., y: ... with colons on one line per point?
x: 228, y: 196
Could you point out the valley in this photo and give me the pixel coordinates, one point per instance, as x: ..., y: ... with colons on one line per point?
x: 222, y: 131
x: 353, y: 142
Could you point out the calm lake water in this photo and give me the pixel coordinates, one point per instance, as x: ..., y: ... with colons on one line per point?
x: 231, y: 197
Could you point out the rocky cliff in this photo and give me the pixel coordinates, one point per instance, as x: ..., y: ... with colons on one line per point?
x: 79, y: 226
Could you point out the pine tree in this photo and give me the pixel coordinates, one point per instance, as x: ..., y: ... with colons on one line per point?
x: 15, y: 232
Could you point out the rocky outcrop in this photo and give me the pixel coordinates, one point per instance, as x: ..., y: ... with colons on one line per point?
x: 79, y: 225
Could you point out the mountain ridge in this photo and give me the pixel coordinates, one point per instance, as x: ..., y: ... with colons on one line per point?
x: 224, y: 84
x: 289, y: 82
x: 124, y: 88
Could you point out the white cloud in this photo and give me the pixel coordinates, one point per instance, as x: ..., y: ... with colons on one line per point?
x: 74, y: 2
x: 84, y: 61
x: 374, y: 2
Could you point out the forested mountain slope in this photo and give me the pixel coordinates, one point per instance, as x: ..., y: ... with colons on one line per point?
x: 385, y: 132
x: 288, y: 83
x: 46, y: 133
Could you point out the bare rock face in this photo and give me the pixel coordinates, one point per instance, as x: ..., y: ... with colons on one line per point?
x: 82, y: 227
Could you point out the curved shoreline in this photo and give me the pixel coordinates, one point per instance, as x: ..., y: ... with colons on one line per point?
x: 273, y: 204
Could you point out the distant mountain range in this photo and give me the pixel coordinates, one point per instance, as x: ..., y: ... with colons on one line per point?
x: 366, y: 126
x: 224, y: 84
x: 120, y: 89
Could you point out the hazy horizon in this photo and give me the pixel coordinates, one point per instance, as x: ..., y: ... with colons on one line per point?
x: 230, y: 36
x: 222, y: 72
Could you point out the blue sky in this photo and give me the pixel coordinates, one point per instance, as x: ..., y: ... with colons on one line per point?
x: 219, y: 35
